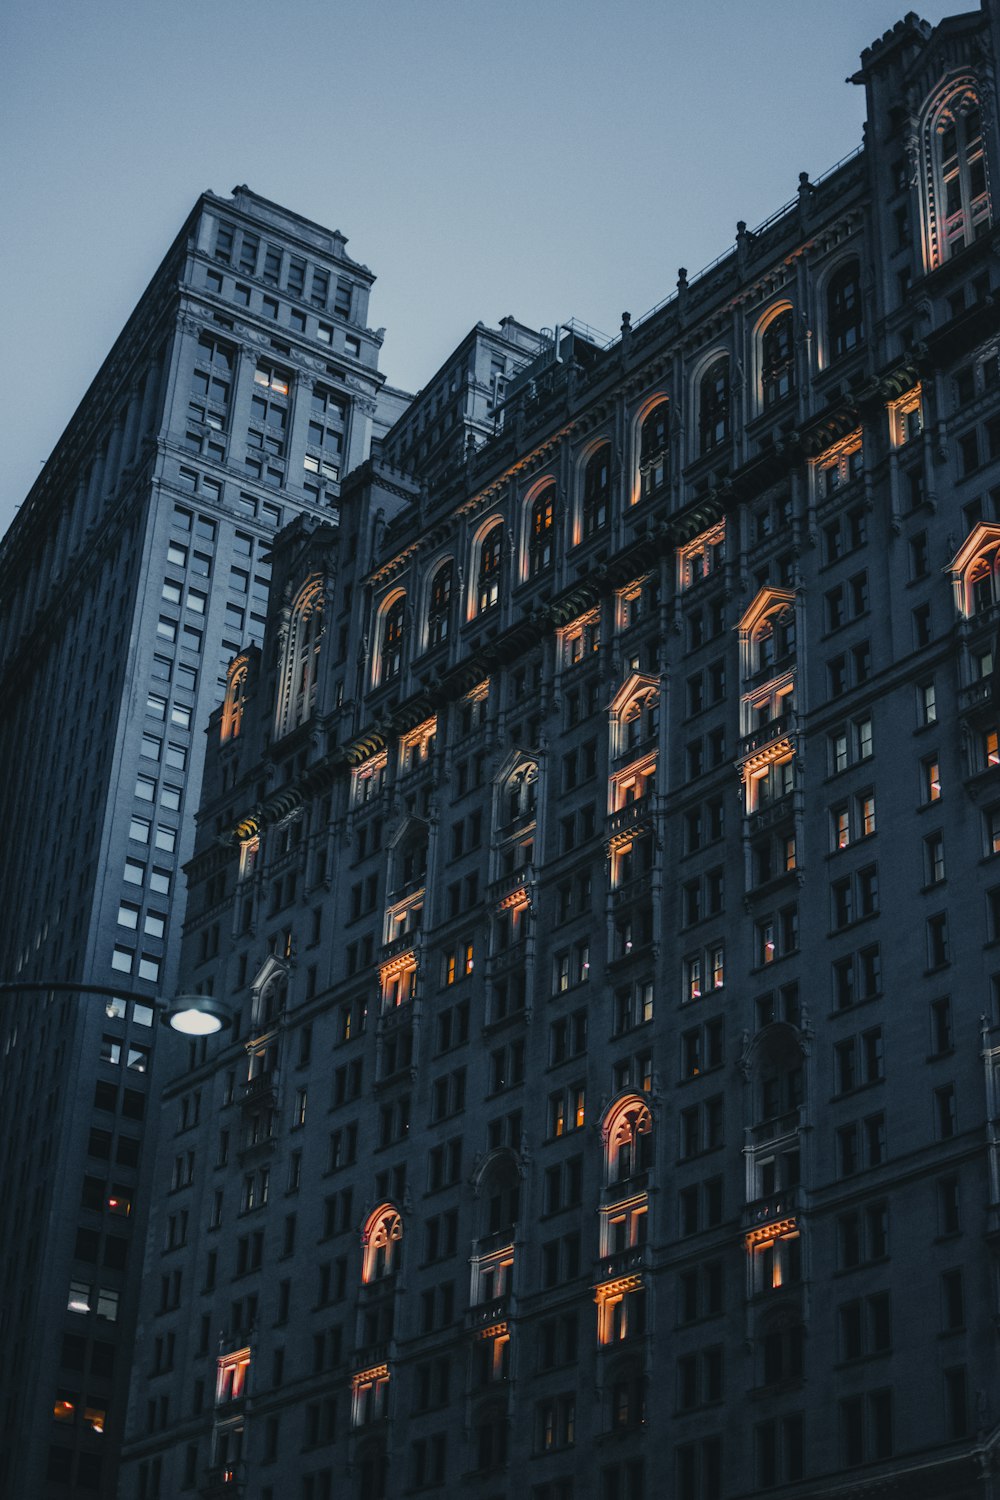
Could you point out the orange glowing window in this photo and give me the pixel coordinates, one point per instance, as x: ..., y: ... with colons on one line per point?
x: 621, y: 1310
x: 231, y: 1376
x: 64, y: 1409
x: 382, y: 1243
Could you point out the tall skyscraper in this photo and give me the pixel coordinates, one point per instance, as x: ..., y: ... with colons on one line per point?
x: 601, y: 857
x: 242, y: 388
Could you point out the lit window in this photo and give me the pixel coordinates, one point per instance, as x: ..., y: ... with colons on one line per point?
x: 956, y: 193
x: 541, y: 531
x: 300, y: 659
x: 231, y: 1377
x: 79, y: 1297
x: 393, y: 631
x: 488, y: 580
x: 234, y: 701
x: 381, y: 1243
x: 839, y: 465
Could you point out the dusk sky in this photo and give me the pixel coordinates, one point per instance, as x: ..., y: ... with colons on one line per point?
x: 546, y: 158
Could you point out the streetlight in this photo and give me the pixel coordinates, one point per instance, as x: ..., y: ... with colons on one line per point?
x: 192, y: 1015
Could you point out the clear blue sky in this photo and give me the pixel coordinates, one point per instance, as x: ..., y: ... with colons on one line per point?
x: 546, y: 158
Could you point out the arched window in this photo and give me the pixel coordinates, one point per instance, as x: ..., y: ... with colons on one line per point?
x: 628, y: 1140
x: 975, y: 570
x: 713, y: 405
x: 955, y: 175
x: 439, y: 606
x: 654, y: 457
x: 488, y: 577
x: 596, y: 490
x: 845, y: 327
x: 269, y: 1001
x: 382, y: 1243
x: 234, y: 701
x: 300, y: 666
x: 520, y: 790
x: 777, y: 359
x: 774, y: 639
x: 499, y: 1197
x: 541, y: 531
x: 641, y: 719
x: 393, y: 632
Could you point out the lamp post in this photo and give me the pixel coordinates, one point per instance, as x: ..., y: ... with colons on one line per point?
x: 192, y: 1015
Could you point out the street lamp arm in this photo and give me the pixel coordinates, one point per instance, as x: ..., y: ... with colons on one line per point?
x: 193, y: 1015
x: 67, y: 987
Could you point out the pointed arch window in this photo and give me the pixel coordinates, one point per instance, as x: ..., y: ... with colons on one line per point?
x: 439, y: 607
x: 774, y: 639
x: 654, y: 459
x: 845, y: 325
x: 713, y: 405
x: 541, y: 531
x: 777, y: 359
x: 383, y: 1244
x: 628, y: 1140
x: 300, y: 667
x: 640, y: 720
x: 488, y: 579
x: 393, y: 633
x: 596, y: 490
x: 234, y: 701
x: 957, y: 186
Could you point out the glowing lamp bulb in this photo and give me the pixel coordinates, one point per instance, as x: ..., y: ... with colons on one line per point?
x: 195, y: 1023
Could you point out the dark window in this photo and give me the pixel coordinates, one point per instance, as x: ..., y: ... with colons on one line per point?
x: 713, y: 405
x: 778, y: 359
x: 596, y: 490
x: 844, y: 313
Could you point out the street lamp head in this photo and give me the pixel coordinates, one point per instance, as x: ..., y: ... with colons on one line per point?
x: 195, y: 1015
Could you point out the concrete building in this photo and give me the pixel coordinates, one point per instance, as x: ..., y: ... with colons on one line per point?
x: 242, y: 388
x: 601, y: 854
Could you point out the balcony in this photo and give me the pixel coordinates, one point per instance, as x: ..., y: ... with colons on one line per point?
x: 485, y: 1314
x: 629, y: 1187
x: 223, y: 1481
x: 261, y: 1090
x: 397, y: 945
x: 776, y: 1128
x: 381, y: 1289
x: 628, y: 818
x: 632, y: 890
x: 227, y: 1409
x: 511, y: 884
x: 638, y: 750
x: 621, y: 1263
x: 370, y: 1357
x: 975, y: 702
x: 766, y: 818
x: 765, y: 735
x: 760, y: 1212
x: 498, y: 964
x: 779, y: 668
